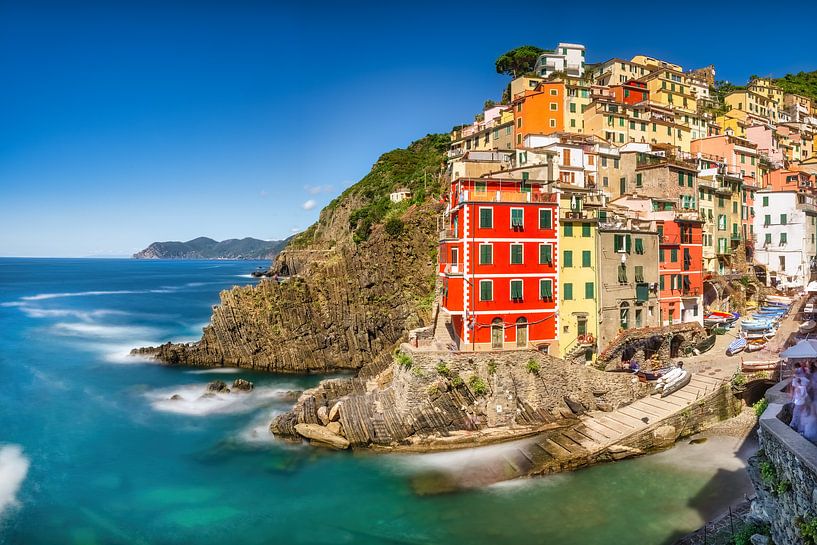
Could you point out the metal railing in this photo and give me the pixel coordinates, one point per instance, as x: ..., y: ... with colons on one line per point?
x: 510, y: 196
x: 447, y: 234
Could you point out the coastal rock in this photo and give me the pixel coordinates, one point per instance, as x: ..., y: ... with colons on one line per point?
x: 323, y: 415
x: 759, y: 539
x: 176, y: 397
x: 335, y: 427
x: 620, y: 452
x: 218, y: 386
x: 334, y: 412
x: 242, y: 385
x: 665, y: 435
x: 322, y: 436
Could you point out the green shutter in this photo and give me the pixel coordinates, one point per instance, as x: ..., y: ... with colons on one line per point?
x: 639, y: 246
x: 673, y: 255
x: 486, y: 218
x: 546, y: 289
x: 486, y: 290
x: 517, y: 217
x: 628, y: 240
x: 589, y: 292
x: 568, y: 229
x: 516, y: 289
x: 585, y: 258
x: 639, y: 273
x: 545, y: 219
x: 567, y: 260
x: 567, y: 291
x: 642, y: 292
x: 481, y: 187
x: 516, y: 254
x: 661, y: 281
x: 767, y: 220
x: 545, y: 256
x: 638, y: 180
x: 680, y: 178
x: 618, y: 243
x: 783, y: 238
x: 689, y: 180
x: 782, y: 219
x: 486, y: 254
x: 622, y: 273
x: 585, y: 230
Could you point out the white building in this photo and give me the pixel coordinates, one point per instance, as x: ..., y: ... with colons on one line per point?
x: 567, y: 58
x: 400, y: 195
x: 785, y: 230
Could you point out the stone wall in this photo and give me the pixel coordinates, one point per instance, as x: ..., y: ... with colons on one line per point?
x: 643, y: 342
x: 784, y: 473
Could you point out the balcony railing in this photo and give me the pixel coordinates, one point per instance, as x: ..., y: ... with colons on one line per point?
x: 447, y: 234
x: 723, y: 251
x: 691, y: 292
x: 452, y: 268
x: 510, y: 196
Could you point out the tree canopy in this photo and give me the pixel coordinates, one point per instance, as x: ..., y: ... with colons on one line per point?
x: 802, y: 83
x: 518, y: 61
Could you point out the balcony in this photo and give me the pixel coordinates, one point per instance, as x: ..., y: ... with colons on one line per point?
x: 690, y: 292
x: 576, y: 215
x: 452, y: 269
x: 723, y: 251
x: 510, y: 196
x: 447, y: 234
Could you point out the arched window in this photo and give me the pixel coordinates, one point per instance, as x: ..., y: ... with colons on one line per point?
x: 522, y: 332
x: 497, y: 333
x: 624, y: 315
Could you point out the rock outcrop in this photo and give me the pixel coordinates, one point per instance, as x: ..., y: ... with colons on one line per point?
x: 429, y: 403
x: 350, y: 287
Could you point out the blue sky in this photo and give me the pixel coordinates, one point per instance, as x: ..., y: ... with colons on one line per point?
x: 126, y: 122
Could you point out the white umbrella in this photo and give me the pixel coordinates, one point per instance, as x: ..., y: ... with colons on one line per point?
x: 805, y: 349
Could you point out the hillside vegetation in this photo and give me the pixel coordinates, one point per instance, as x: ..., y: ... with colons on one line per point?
x: 207, y: 248
x: 802, y: 83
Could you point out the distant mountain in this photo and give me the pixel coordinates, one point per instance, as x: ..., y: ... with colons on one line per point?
x: 207, y: 248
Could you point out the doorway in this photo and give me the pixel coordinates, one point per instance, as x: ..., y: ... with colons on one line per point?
x: 497, y: 334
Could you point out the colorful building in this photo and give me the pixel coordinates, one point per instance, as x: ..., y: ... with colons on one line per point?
x: 539, y: 111
x: 498, y: 264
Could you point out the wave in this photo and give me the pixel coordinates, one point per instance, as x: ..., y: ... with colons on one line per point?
x: 44, y: 296
x: 193, y: 402
x: 216, y: 371
x: 90, y: 315
x: 13, y: 470
x: 84, y: 329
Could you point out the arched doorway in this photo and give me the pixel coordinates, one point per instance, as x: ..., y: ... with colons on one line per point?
x: 522, y: 333
x: 675, y: 346
x: 628, y: 353
x: 497, y: 333
x: 652, y: 346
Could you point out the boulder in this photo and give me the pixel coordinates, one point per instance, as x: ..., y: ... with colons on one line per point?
x: 664, y: 435
x: 334, y: 412
x: 759, y: 539
x: 321, y: 436
x: 323, y: 415
x: 335, y: 427
x: 243, y: 385
x: 176, y: 397
x: 218, y: 386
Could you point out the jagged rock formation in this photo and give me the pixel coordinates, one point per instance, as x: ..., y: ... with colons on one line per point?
x: 207, y: 248
x: 430, y: 402
x: 353, y: 283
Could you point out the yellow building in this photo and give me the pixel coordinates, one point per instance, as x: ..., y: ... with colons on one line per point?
x: 765, y: 87
x: 668, y: 87
x: 655, y: 64
x: 647, y: 123
x: 578, y: 276
x: 752, y: 104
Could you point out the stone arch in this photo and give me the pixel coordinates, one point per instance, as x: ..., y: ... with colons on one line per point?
x: 522, y: 332
x: 675, y: 346
x: 497, y: 334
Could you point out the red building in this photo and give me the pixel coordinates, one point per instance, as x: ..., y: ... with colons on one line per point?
x: 680, y: 264
x: 498, y: 253
x: 631, y: 92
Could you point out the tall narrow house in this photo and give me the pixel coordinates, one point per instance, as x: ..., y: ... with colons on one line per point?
x: 498, y: 264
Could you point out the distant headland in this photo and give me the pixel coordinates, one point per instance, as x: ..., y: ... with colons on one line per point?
x: 207, y: 248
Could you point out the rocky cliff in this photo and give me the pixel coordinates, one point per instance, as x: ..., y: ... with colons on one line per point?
x: 352, y: 284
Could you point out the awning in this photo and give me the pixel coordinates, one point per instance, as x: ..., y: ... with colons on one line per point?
x: 805, y: 349
x: 812, y: 287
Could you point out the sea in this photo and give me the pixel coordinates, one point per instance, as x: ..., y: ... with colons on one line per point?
x: 93, y: 451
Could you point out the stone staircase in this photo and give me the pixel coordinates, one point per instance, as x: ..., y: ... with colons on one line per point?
x: 444, y: 336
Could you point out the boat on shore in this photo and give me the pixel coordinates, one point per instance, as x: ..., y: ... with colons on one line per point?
x: 808, y: 326
x: 763, y: 365
x: 753, y: 345
x: 673, y: 381
x: 736, y: 346
x: 705, y: 345
x: 653, y: 375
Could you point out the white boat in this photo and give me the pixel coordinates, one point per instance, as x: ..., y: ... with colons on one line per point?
x: 673, y: 381
x: 807, y: 326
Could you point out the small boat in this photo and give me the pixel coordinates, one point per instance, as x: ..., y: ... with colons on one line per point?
x: 677, y: 384
x: 779, y: 300
x: 756, y: 326
x: 807, y: 326
x: 736, y: 346
x: 765, y: 334
x: 705, y: 345
x: 753, y: 366
x: 753, y: 345
x: 717, y: 315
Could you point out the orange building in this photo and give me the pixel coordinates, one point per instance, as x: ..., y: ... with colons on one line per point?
x: 539, y: 111
x: 631, y: 92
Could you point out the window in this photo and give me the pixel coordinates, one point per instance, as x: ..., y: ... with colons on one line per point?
x: 480, y: 187
x: 553, y: 107
x: 517, y: 218
x: 767, y: 239
x: 585, y: 230
x: 782, y: 219
x: 567, y: 291
x: 552, y: 123
x: 673, y: 255
x: 661, y: 282
x: 586, y: 260
x: 639, y: 273
x: 680, y: 178
x: 486, y: 218
x: 486, y: 254
x: 589, y: 291
x: 567, y: 259
x: 638, y: 182
x: 516, y: 290
x: 689, y: 180
x: 545, y: 254
x: 765, y: 201
x: 622, y: 273
x: 568, y: 229
x: 767, y: 220
x: 516, y: 254
x: 624, y: 315
x: 545, y: 218
x: 783, y: 240
x: 687, y: 259
x: 639, y: 246
x: 546, y: 289
x: 638, y: 316
x: 486, y: 290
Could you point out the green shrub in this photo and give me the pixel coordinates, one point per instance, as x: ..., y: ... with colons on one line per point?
x: 478, y: 385
x: 443, y: 370
x: 808, y: 530
x: 491, y: 367
x: 782, y: 487
x: 457, y: 381
x: 744, y: 533
x: 394, y: 227
x: 433, y: 390
x: 417, y: 372
x: 738, y: 379
x: 533, y: 367
x: 767, y: 472
x: 402, y: 359
x: 760, y: 406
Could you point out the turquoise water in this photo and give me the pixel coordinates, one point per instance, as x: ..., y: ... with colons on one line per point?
x: 93, y: 452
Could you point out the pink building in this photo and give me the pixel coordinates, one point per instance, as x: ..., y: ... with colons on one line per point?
x: 738, y: 154
x: 767, y: 140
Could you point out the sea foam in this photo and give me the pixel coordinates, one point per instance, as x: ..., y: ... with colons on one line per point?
x: 193, y: 402
x: 13, y: 470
